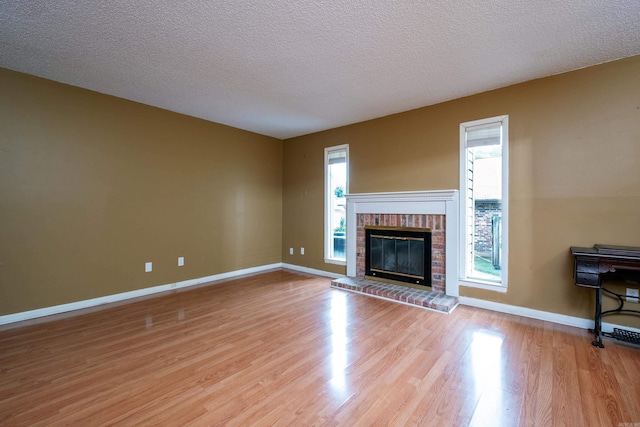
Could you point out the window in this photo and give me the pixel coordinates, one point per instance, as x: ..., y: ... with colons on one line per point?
x: 484, y: 202
x: 336, y: 160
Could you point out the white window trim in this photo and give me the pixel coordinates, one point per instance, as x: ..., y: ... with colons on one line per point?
x: 327, y: 203
x: 464, y: 280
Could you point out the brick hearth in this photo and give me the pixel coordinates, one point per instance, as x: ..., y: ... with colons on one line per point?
x: 433, y: 300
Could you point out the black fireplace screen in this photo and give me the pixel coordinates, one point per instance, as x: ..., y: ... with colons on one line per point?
x: 400, y: 254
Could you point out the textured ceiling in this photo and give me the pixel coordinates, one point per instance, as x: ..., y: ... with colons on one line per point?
x: 285, y: 68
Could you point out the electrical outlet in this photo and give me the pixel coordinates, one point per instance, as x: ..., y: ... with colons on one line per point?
x: 632, y: 295
x: 290, y: 251
x: 148, y: 266
x: 301, y: 251
x: 180, y: 261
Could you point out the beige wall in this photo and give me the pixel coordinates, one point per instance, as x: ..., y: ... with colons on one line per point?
x: 92, y: 187
x: 574, y: 176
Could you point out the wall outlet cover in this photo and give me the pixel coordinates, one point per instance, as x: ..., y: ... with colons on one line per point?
x: 301, y: 251
x: 632, y: 295
x: 180, y: 261
x: 148, y: 266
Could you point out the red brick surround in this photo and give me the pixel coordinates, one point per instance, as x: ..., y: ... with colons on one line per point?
x: 435, y: 222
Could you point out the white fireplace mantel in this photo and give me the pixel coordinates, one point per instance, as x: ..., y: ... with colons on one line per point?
x: 408, y: 202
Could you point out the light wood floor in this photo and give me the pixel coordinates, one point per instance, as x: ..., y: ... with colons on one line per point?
x: 283, y: 348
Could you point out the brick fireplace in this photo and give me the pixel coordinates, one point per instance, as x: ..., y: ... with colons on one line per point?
x: 436, y: 223
x: 435, y: 210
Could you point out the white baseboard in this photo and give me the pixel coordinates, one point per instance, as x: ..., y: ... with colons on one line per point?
x: 473, y: 302
x: 63, y: 308
x: 561, y: 319
x: 312, y: 271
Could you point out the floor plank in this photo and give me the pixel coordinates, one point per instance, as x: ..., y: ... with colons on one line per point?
x: 283, y: 348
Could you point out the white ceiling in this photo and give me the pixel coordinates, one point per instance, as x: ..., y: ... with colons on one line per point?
x: 291, y: 67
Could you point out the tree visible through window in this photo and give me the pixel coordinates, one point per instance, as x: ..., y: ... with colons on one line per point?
x: 336, y: 161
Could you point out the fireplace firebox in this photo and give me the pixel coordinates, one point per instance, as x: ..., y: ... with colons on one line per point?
x: 398, y: 254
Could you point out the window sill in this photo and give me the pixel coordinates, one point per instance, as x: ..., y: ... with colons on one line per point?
x: 335, y: 261
x: 491, y: 286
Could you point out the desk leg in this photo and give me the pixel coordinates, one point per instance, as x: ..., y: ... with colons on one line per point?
x: 598, y: 319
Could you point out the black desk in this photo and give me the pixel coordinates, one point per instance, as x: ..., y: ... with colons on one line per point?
x: 590, y: 264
